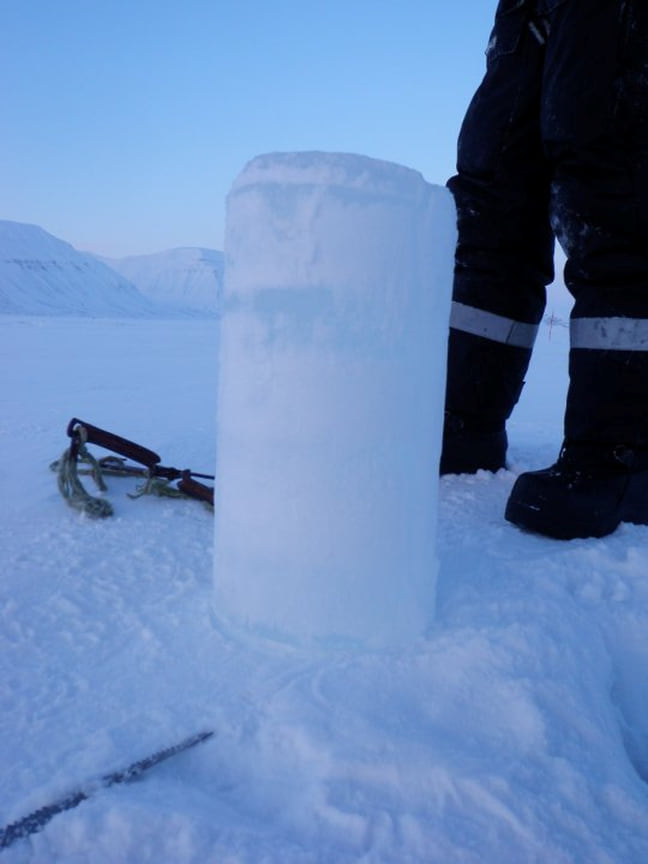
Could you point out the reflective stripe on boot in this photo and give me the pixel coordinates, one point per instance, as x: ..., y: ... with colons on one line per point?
x: 607, y: 401
x: 488, y: 355
x: 488, y: 325
x: 609, y: 334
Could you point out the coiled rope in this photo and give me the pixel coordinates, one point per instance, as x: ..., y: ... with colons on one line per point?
x: 158, y: 479
x: 71, y: 487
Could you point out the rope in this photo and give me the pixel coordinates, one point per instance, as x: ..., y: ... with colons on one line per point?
x: 77, y: 496
x: 159, y: 486
x: 73, y: 490
x: 158, y: 479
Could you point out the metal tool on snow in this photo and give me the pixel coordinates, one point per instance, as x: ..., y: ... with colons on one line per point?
x: 37, y: 820
x: 158, y: 478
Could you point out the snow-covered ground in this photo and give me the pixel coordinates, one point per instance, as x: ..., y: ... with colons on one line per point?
x: 516, y: 731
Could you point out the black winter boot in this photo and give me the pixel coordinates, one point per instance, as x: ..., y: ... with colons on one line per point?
x: 467, y: 450
x: 483, y: 384
x: 587, y: 493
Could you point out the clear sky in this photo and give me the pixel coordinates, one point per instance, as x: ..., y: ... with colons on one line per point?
x: 124, y: 122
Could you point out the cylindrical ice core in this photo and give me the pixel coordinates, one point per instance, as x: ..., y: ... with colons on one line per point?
x: 330, y: 398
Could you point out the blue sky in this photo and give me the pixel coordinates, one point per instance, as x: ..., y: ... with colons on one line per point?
x: 123, y: 124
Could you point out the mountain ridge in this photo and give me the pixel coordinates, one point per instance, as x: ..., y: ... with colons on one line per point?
x: 41, y: 274
x: 189, y: 277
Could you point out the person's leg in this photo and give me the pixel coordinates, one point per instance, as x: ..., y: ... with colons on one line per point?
x: 595, y: 128
x: 504, y: 256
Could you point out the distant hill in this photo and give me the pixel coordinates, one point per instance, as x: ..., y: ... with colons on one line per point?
x: 185, y: 278
x: 42, y: 275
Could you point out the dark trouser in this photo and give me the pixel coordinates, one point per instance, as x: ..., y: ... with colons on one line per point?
x: 555, y: 142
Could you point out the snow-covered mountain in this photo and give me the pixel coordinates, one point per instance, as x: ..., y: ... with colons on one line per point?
x: 186, y: 278
x: 43, y: 275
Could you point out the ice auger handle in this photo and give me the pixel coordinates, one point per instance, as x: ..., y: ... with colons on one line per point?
x: 110, y: 441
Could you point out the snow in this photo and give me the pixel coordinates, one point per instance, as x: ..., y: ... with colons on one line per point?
x: 183, y: 279
x: 42, y: 275
x: 515, y: 730
x: 332, y: 371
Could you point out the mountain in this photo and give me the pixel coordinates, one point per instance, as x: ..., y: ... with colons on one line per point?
x: 43, y: 275
x: 185, y: 278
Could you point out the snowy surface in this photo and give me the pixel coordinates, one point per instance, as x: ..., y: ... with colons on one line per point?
x: 185, y: 278
x: 516, y: 731
x: 330, y: 398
